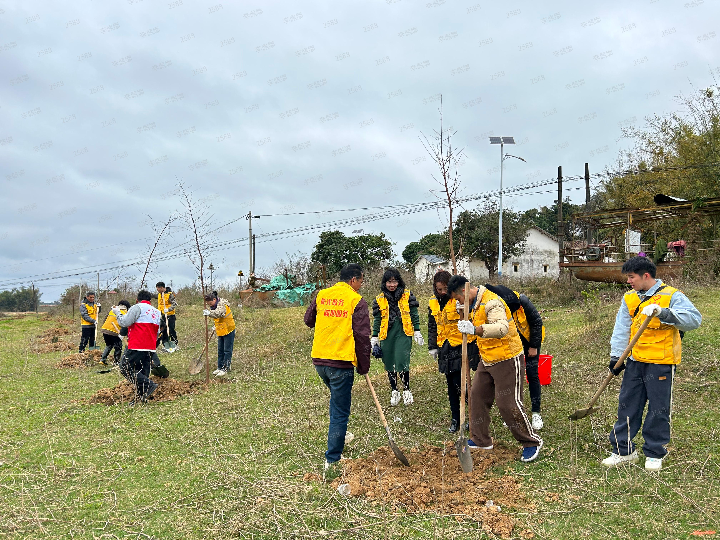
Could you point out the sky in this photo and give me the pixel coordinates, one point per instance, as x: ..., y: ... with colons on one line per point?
x: 284, y: 108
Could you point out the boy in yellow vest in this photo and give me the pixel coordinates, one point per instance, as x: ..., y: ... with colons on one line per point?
x: 110, y: 331
x: 224, y: 330
x: 88, y: 320
x: 500, y: 374
x: 166, y: 303
x: 341, y: 345
x: 650, y: 369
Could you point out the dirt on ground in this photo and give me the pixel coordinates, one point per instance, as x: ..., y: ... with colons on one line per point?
x: 54, y: 339
x: 434, y: 482
x: 168, y: 389
x: 80, y: 360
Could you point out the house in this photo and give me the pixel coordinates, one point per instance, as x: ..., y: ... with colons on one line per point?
x: 540, y: 258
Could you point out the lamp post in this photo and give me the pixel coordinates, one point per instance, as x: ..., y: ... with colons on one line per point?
x: 212, y: 269
x: 502, y: 141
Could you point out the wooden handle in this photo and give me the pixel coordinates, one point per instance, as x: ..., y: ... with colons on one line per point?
x: 377, y: 403
x: 463, y: 374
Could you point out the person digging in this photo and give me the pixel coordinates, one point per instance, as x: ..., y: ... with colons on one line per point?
x: 110, y: 332
x: 167, y: 304
x: 650, y: 368
x: 88, y: 319
x: 219, y: 311
x: 341, y: 345
x: 142, y: 321
x: 501, y: 372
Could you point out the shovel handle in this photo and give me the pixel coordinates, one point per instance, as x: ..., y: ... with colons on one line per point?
x: 463, y: 375
x: 377, y: 403
x: 620, y: 361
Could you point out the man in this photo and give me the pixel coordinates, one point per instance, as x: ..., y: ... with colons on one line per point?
x: 89, y: 311
x: 166, y: 304
x: 341, y: 344
x: 650, y: 369
x: 501, y: 373
x: 142, y: 321
x: 219, y: 311
x: 110, y: 331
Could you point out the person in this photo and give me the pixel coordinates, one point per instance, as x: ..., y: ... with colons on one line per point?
x: 219, y: 310
x: 341, y: 344
x: 110, y: 331
x: 142, y: 321
x: 89, y: 312
x: 532, y: 333
x: 167, y: 304
x: 501, y: 373
x: 650, y: 368
x: 395, y: 324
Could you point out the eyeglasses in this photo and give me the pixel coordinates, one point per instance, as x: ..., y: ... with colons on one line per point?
x: 392, y: 281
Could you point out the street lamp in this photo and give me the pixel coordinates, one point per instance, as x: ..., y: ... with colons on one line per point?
x: 502, y: 141
x: 211, y: 268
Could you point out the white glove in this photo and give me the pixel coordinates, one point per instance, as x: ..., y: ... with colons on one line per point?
x: 206, y: 312
x: 652, y: 310
x: 374, y: 341
x: 166, y: 310
x: 460, y: 308
x: 417, y: 336
x: 115, y: 310
x: 98, y: 305
x: 466, y: 327
x: 434, y: 353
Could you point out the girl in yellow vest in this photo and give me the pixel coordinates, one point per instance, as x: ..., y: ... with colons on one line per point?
x: 222, y: 316
x: 395, y: 324
x: 110, y: 331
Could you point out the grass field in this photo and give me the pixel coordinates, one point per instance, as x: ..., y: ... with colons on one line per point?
x: 229, y: 462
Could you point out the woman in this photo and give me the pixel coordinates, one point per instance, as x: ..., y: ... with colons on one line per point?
x: 395, y: 324
x: 224, y: 329
x: 110, y: 330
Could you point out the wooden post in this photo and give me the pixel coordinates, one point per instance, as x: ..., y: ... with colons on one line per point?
x: 560, y: 223
x: 73, y: 305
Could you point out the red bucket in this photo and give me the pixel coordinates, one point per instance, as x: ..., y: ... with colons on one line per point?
x: 544, y: 369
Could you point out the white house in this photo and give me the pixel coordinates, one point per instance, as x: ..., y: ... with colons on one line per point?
x: 540, y: 258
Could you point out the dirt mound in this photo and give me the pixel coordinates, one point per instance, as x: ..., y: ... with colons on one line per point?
x: 80, y: 360
x: 435, y: 482
x: 168, y: 389
x: 51, y: 340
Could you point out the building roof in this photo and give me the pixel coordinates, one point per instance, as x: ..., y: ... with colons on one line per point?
x: 545, y: 233
x: 432, y: 259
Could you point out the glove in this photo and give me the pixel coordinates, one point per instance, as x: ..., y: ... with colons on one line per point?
x: 166, y: 310
x: 460, y: 308
x: 206, y: 312
x: 652, y: 310
x: 417, y: 336
x: 115, y: 310
x: 611, y: 367
x: 98, y: 305
x: 434, y: 353
x: 374, y: 341
x: 377, y: 351
x: 466, y: 327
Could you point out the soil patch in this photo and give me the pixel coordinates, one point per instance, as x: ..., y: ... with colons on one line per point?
x: 80, y: 360
x: 54, y: 339
x: 434, y: 482
x: 168, y: 389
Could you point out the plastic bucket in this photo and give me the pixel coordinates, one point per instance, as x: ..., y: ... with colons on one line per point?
x: 544, y: 369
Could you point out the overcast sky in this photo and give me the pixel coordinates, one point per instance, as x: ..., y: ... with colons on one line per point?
x: 283, y: 107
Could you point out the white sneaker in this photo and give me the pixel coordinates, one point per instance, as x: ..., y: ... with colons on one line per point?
x: 614, y: 459
x: 537, y: 422
x: 216, y: 372
x: 221, y: 373
x: 653, y: 464
x: 407, y: 397
x: 394, y: 398
x: 349, y: 437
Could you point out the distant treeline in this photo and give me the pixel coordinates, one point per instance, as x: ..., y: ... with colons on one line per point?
x: 23, y: 299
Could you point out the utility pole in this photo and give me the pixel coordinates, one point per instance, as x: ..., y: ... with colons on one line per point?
x: 560, y: 224
x: 251, y: 242
x: 590, y: 231
x: 34, y: 302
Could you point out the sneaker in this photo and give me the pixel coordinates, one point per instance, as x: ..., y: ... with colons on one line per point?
x: 331, y: 471
x: 221, y: 373
x: 454, y: 425
x: 349, y: 437
x: 473, y: 446
x: 150, y: 391
x: 407, y: 397
x: 216, y: 372
x: 653, y: 464
x: 537, y: 422
x: 530, y: 453
x: 394, y: 398
x: 615, y: 459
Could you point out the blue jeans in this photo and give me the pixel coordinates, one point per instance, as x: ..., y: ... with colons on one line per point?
x: 340, y: 382
x: 225, y: 349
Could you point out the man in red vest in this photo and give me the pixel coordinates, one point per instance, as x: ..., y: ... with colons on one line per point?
x: 142, y: 321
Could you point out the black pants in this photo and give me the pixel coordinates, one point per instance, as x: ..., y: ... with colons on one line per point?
x: 112, y: 342
x: 531, y: 369
x: 404, y: 377
x: 135, y: 367
x: 87, y: 336
x: 453, y: 384
x: 164, y: 329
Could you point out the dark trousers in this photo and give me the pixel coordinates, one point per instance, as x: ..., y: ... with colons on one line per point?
x: 135, y: 367
x: 87, y: 337
x: 644, y: 383
x: 531, y: 369
x: 225, y: 350
x: 164, y: 329
x: 340, y: 382
x: 112, y: 342
x: 453, y: 385
x: 404, y: 377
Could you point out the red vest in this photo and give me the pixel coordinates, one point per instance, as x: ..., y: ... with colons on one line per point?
x: 142, y: 334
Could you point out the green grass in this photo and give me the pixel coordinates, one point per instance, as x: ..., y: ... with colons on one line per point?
x: 228, y: 463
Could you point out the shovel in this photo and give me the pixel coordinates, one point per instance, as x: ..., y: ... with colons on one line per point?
x: 395, y: 448
x: 197, y: 364
x: 463, y: 451
x: 582, y: 413
x: 96, y: 347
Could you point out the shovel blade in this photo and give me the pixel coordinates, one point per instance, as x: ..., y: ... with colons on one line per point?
x: 463, y: 452
x: 398, y: 453
x: 582, y: 413
x: 196, y: 366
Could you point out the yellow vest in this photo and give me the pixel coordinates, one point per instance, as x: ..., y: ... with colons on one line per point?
x: 164, y: 302
x: 446, y: 320
x: 495, y: 350
x: 334, y: 338
x: 111, y: 323
x: 522, y: 323
x: 225, y: 324
x: 404, y: 305
x: 659, y: 343
x: 92, y: 312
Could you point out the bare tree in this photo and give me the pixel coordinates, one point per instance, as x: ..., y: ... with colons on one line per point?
x: 447, y: 158
x: 157, y: 242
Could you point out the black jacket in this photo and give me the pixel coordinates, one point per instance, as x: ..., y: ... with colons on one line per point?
x: 449, y: 358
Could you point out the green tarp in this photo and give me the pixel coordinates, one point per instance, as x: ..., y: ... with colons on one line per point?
x: 285, y: 291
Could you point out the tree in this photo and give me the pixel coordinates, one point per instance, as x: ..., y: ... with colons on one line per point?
x: 545, y: 218
x: 335, y: 250
x: 430, y: 244
x: 22, y: 299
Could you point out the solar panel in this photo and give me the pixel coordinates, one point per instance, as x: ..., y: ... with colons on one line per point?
x: 495, y: 140
x: 508, y: 140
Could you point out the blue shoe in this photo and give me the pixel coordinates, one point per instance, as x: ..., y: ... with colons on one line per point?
x: 530, y: 453
x: 473, y: 446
